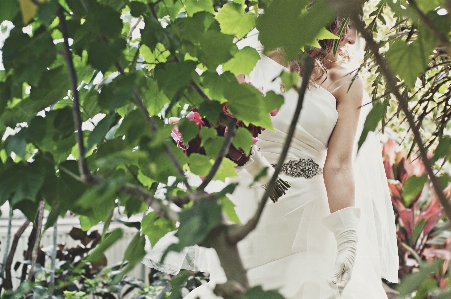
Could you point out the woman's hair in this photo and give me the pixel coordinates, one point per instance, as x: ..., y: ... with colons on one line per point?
x: 319, y: 55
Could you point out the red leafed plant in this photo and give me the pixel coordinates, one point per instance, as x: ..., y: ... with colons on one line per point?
x: 419, y: 215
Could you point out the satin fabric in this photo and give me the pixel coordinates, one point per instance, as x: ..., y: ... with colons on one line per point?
x: 290, y: 250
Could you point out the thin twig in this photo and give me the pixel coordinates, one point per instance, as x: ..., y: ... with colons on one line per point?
x: 231, y: 132
x: 34, y: 253
x: 82, y: 164
x: 403, y: 103
x: 7, y: 283
x: 200, y: 91
x: 53, y: 260
x: 8, y: 240
x: 235, y: 232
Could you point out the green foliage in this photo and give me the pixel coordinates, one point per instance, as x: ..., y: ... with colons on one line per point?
x: 155, y: 227
x: 412, y: 186
x: 376, y: 114
x: 135, y: 73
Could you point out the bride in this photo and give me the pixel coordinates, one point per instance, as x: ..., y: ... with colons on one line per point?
x: 332, y: 235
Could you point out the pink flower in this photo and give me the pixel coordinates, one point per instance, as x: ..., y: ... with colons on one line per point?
x: 174, y: 120
x: 274, y: 112
x: 194, y: 116
x: 177, y: 136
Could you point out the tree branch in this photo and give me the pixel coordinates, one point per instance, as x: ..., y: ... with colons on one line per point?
x: 7, y: 283
x: 231, y: 132
x: 403, y: 103
x: 82, y: 164
x: 34, y: 254
x: 235, y: 232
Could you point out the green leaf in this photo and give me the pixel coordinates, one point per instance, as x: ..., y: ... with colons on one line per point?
x: 215, y: 85
x: 282, y: 22
x: 103, y: 55
x: 153, y: 98
x: 243, y: 61
x: 100, y: 249
x: 412, y: 187
x: 290, y: 80
x: 211, y: 110
x: 216, y: 48
x: 5, y: 96
x: 134, y: 206
x: 376, y: 114
x: 137, y: 8
x: 102, y: 195
x: 443, y: 148
x: 213, y: 146
x: 30, y: 57
x: 428, y: 5
x: 243, y: 140
x: 255, y: 109
x: 419, y: 227
x: 188, y: 129
x: 226, y: 170
x: 169, y: 8
x: 406, y: 60
x: 20, y: 182
x: 9, y: 10
x: 207, y: 134
x: 17, y: 143
x: 228, y: 207
x: 153, y: 33
x: 197, y: 222
x: 155, y: 227
x: 171, y: 78
x: 103, y: 20
x: 413, y: 281
x: 259, y: 293
x: 199, y: 164
x: 86, y: 223
x: 427, y: 286
x: 193, y: 6
x: 134, y: 254
x: 99, y: 132
x: 234, y: 21
x: 47, y: 12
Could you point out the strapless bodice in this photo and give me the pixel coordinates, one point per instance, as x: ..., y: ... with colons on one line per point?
x: 314, y: 127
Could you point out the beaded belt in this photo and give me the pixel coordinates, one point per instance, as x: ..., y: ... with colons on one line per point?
x: 306, y: 168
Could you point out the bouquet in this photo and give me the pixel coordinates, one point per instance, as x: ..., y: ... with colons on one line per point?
x: 237, y: 155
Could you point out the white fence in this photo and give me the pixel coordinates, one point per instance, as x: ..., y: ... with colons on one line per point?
x: 114, y: 254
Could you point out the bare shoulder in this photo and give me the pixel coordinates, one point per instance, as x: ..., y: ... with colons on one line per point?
x: 346, y: 85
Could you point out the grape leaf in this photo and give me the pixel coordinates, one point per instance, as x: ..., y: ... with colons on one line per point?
x: 234, y: 21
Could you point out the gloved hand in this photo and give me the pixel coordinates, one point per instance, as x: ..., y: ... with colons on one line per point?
x: 256, y: 164
x: 343, y: 224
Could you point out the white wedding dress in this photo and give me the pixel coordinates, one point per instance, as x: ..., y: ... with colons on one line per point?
x: 290, y: 250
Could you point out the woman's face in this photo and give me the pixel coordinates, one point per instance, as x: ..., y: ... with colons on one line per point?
x: 348, y: 39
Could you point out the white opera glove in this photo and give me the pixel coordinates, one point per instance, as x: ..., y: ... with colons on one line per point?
x: 343, y: 224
